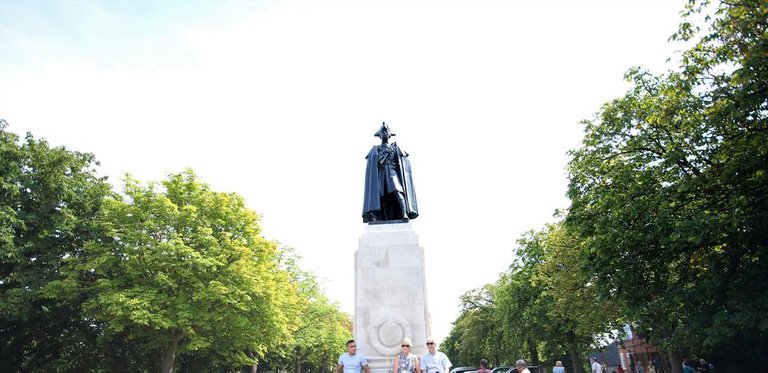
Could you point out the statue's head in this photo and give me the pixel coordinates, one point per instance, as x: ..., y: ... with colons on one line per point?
x: 384, y: 132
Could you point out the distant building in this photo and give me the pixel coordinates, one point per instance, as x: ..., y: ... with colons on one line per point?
x: 629, y: 353
x: 634, y: 351
x: 610, y: 356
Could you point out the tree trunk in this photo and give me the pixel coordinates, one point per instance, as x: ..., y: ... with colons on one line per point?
x: 255, y: 367
x: 573, y: 350
x: 534, y: 353
x: 297, y: 364
x: 169, y: 355
x: 576, y: 362
x: 675, y: 362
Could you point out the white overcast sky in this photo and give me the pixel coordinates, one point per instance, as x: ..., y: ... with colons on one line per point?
x: 279, y: 101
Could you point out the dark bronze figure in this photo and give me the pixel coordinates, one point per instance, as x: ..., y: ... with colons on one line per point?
x: 389, y: 190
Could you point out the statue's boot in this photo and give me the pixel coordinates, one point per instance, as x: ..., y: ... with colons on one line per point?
x: 401, y: 200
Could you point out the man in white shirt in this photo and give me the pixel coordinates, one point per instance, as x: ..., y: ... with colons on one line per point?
x: 434, y: 361
x: 596, y: 368
x: 351, y: 361
x: 521, y: 366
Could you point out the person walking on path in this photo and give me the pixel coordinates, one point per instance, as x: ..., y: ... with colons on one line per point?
x: 351, y: 361
x: 433, y: 360
x: 405, y: 361
x: 596, y: 368
x: 558, y: 367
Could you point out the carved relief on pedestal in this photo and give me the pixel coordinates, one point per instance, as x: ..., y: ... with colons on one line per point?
x: 387, y: 332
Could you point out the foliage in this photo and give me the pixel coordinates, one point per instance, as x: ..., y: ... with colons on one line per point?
x: 549, y: 300
x: 476, y: 334
x: 544, y: 307
x: 102, y: 282
x: 520, y: 302
x: 670, y: 190
x: 184, y: 269
x: 321, y: 331
x: 504, y: 321
x: 578, y: 317
x: 49, y: 198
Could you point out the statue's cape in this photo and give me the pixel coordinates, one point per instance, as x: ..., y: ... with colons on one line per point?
x: 371, y: 201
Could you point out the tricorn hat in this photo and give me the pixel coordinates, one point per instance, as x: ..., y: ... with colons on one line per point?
x: 383, y: 127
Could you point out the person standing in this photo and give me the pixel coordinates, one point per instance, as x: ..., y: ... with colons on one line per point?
x: 351, y: 361
x: 483, y: 366
x: 405, y: 361
x: 705, y: 367
x: 596, y: 368
x: 558, y: 367
x: 521, y: 366
x: 651, y: 367
x: 433, y: 360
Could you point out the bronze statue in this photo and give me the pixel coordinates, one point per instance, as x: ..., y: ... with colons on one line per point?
x: 389, y: 192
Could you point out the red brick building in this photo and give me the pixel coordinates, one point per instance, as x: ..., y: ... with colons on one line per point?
x: 635, y: 351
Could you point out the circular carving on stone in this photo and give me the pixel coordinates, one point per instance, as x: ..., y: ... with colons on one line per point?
x: 390, y: 333
x: 387, y: 332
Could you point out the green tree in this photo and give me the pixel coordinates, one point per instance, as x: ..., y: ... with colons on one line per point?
x: 476, y: 334
x: 49, y: 199
x: 520, y: 303
x: 184, y: 269
x: 322, y: 329
x: 547, y: 302
x: 669, y: 191
x: 578, y: 316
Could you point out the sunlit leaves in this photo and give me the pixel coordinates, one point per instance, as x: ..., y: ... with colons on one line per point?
x: 667, y: 189
x: 185, y: 267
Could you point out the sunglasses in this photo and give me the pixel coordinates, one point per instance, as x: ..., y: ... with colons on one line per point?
x: 430, y: 343
x: 405, y: 345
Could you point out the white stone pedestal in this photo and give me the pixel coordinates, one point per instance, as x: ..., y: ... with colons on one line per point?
x: 390, y: 294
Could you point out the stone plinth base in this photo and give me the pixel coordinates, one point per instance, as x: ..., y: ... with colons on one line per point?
x: 390, y: 294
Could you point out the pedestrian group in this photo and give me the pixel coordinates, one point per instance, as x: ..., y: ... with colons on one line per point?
x: 434, y: 361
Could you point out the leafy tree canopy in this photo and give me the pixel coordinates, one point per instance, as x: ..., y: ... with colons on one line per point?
x: 670, y: 189
x: 49, y: 199
x: 185, y: 269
